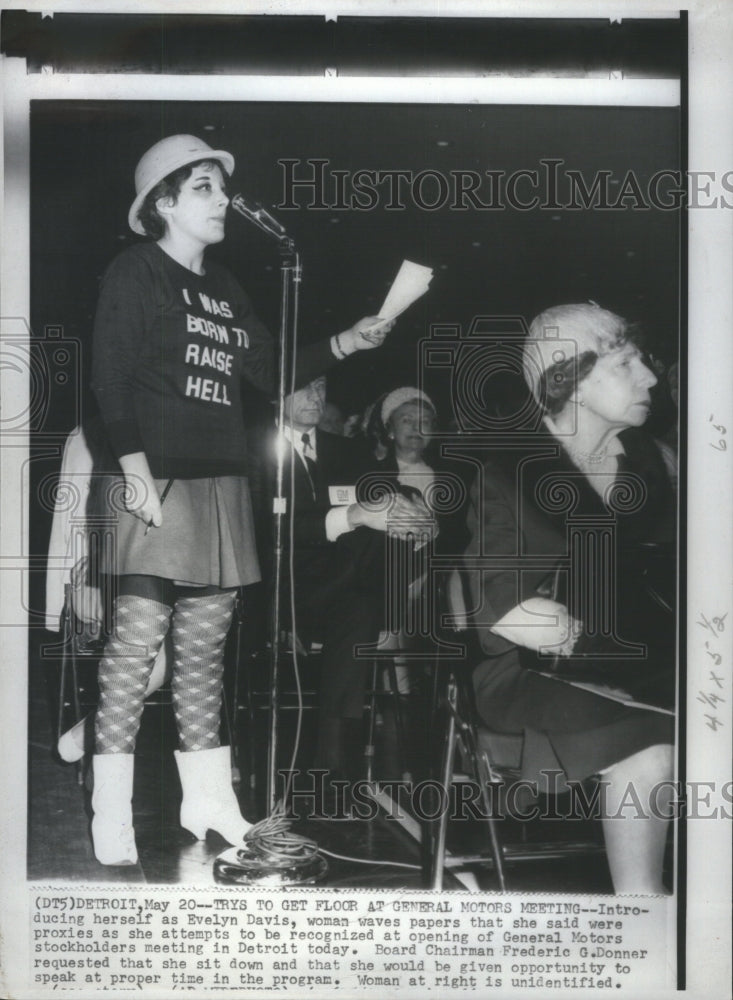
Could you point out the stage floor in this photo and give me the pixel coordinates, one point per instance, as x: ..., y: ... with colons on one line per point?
x: 375, y: 853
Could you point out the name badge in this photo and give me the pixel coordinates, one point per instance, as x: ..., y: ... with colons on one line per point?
x: 341, y: 496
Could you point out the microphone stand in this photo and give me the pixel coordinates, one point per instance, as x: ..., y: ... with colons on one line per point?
x: 270, y: 852
x: 290, y: 279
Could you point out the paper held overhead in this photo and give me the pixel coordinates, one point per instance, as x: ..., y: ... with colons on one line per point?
x: 411, y: 282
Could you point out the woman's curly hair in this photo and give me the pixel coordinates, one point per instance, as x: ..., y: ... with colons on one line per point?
x: 169, y: 187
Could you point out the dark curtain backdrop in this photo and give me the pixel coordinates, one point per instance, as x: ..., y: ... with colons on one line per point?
x: 504, y: 262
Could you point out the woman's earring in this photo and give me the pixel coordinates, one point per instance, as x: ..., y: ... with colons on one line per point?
x: 581, y: 402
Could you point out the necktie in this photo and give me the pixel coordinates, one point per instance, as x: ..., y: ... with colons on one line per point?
x: 310, y: 465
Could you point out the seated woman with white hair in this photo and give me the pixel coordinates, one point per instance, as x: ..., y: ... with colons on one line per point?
x: 589, y: 473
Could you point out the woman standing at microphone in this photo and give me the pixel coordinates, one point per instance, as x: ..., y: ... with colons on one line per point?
x: 175, y: 338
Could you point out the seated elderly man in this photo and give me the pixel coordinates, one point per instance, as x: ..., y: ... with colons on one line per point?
x: 338, y: 560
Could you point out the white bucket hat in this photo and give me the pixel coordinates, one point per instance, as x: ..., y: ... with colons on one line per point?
x: 406, y: 394
x: 564, y: 332
x: 162, y: 159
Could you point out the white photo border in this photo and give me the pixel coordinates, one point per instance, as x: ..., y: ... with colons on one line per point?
x: 710, y: 321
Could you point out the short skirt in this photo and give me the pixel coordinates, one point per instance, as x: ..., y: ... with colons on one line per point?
x: 207, y: 537
x: 567, y: 730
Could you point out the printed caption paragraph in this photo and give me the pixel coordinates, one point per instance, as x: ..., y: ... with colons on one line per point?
x: 350, y: 944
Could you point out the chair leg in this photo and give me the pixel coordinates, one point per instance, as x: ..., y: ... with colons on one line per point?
x: 230, y: 721
x: 494, y: 843
x: 77, y: 710
x: 369, y: 749
x: 446, y: 777
x: 62, y: 679
x: 68, y: 666
x: 251, y: 738
x: 434, y: 695
x: 484, y: 776
x: 399, y: 719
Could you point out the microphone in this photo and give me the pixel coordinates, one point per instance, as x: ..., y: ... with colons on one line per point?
x: 259, y: 216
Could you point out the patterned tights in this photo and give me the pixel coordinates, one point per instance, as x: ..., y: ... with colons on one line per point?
x: 199, y: 620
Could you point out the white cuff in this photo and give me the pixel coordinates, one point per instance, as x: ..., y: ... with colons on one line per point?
x: 337, y: 523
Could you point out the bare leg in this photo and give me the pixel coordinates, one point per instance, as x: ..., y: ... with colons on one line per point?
x: 634, y: 823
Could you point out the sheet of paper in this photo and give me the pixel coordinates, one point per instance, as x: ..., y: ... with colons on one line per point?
x: 412, y: 281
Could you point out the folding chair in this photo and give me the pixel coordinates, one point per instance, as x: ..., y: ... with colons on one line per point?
x: 493, y: 761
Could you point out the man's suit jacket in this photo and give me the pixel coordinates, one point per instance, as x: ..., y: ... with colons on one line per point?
x: 325, y: 572
x: 449, y: 500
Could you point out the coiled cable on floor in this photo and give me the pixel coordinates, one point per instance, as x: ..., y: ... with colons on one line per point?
x: 273, y: 844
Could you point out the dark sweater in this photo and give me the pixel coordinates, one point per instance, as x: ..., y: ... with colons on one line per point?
x: 171, y: 351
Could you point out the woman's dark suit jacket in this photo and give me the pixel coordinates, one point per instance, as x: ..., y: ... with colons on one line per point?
x: 533, y: 512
